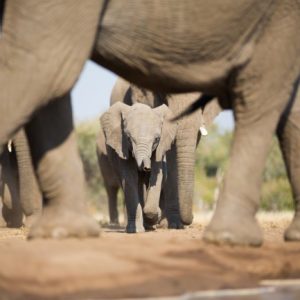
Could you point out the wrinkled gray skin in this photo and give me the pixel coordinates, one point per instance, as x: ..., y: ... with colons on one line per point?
x: 244, y: 52
x: 137, y: 139
x: 19, y: 188
x: 179, y: 187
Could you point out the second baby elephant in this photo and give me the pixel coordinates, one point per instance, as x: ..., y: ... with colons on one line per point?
x: 137, y: 138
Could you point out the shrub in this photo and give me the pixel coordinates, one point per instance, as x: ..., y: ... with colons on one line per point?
x: 211, y: 159
x: 86, y: 136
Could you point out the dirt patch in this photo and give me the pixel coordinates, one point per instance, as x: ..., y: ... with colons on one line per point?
x: 164, y: 262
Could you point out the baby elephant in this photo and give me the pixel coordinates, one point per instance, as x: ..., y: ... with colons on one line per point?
x: 137, y: 138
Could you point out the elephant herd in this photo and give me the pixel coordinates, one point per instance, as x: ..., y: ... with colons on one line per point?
x: 150, y: 156
x: 245, y: 54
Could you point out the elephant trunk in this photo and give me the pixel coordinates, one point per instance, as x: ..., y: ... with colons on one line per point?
x: 30, y: 195
x: 185, y: 163
x: 143, y: 157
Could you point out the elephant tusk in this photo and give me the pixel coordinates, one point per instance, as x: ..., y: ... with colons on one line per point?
x: 203, y: 130
x: 9, y: 146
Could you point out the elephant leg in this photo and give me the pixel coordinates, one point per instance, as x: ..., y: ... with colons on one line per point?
x: 260, y: 94
x: 110, y: 180
x: 289, y: 140
x: 234, y: 219
x: 30, y: 195
x: 130, y: 185
x: 134, y: 209
x: 60, y: 174
x: 179, y: 189
x: 12, y: 211
x: 171, y: 215
x: 2, y: 221
x: 112, y: 193
x: 151, y: 208
x: 144, y: 180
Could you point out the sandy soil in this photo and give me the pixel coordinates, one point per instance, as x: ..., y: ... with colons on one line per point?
x: 164, y: 262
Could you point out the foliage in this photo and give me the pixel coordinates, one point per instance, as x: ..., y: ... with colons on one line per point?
x: 86, y: 137
x: 211, y: 159
x: 276, y: 191
x: 213, y: 151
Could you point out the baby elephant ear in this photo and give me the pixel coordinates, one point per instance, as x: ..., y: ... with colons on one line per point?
x: 168, y: 132
x: 112, y: 125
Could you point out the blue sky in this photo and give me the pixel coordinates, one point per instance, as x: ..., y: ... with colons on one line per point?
x: 91, y: 94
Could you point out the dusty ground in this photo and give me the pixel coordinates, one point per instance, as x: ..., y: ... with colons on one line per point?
x: 165, y: 262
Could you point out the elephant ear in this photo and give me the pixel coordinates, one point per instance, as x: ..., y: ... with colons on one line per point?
x: 141, y: 95
x: 112, y: 125
x: 168, y: 132
x: 209, y: 113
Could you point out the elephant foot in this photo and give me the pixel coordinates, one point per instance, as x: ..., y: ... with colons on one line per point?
x: 132, y: 227
x: 149, y: 226
x: 173, y: 222
x: 58, y: 223
x: 2, y: 223
x: 13, y: 218
x: 234, y: 231
x: 151, y: 219
x: 292, y: 233
x: 114, y: 225
x: 163, y: 223
x: 114, y: 222
x: 14, y: 223
x: 30, y: 220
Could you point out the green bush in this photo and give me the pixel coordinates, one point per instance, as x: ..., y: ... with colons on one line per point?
x: 86, y: 137
x: 211, y: 159
x: 213, y: 151
x: 276, y: 191
x: 276, y: 195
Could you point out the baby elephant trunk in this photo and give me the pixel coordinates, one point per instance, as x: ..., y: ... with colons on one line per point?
x: 144, y: 164
x: 143, y: 158
x: 143, y: 155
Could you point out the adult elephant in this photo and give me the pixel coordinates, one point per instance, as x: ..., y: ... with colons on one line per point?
x: 179, y: 185
x: 43, y: 47
x: 242, y: 52
x: 20, y: 192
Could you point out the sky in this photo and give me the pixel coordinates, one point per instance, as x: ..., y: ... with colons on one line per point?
x: 91, y: 95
